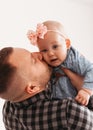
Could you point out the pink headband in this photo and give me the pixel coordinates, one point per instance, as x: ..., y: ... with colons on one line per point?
x: 41, y: 30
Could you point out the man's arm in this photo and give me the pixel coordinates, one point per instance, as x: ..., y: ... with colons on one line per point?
x: 84, y: 94
x: 75, y: 79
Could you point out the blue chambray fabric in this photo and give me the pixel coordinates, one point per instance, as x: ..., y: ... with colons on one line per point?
x: 76, y: 62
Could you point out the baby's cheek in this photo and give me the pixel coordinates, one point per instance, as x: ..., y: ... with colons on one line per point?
x: 46, y: 59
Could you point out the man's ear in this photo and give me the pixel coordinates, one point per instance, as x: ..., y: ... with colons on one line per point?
x: 32, y: 88
x: 68, y: 43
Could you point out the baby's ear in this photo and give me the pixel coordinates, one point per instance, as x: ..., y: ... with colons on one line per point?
x: 32, y: 89
x: 68, y: 43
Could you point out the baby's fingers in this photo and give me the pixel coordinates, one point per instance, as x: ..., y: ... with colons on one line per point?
x: 84, y: 102
x: 81, y: 100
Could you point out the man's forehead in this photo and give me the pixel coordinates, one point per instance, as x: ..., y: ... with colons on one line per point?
x: 17, y: 55
x: 20, y: 52
x: 20, y: 57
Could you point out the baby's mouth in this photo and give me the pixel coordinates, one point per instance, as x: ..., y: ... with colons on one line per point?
x: 53, y: 60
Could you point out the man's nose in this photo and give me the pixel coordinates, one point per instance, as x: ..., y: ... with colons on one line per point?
x: 37, y: 55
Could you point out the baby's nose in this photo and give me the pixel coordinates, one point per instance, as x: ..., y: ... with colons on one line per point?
x: 50, y: 53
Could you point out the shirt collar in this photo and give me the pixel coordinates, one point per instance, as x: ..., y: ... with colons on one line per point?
x: 44, y: 95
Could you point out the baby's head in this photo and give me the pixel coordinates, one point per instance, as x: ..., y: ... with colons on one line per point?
x: 52, y: 42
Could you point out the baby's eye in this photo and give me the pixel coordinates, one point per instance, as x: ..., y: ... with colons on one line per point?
x: 55, y: 46
x: 44, y: 50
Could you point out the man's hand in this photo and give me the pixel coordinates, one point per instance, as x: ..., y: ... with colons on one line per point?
x: 76, y: 80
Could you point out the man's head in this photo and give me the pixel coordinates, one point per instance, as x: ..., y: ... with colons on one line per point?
x: 21, y: 74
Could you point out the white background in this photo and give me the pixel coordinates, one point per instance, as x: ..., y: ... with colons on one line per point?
x: 17, y: 16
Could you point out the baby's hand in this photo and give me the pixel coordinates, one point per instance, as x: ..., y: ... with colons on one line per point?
x: 82, y: 97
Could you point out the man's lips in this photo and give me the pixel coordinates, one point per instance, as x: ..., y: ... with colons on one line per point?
x: 37, y: 55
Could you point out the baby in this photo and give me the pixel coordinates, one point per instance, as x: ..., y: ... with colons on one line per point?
x: 58, y: 52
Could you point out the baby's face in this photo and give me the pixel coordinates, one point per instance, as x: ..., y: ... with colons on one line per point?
x: 53, y: 48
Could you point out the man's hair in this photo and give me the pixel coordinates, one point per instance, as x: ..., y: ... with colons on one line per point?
x: 6, y: 69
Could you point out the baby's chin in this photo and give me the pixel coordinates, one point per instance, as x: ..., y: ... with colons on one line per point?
x: 54, y: 63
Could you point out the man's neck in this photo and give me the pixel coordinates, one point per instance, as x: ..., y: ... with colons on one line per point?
x: 26, y: 96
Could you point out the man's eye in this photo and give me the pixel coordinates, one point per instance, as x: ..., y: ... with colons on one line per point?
x: 43, y: 51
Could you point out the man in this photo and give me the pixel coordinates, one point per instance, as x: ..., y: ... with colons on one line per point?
x: 24, y: 84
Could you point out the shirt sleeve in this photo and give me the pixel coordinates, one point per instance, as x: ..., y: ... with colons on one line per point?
x: 79, y: 117
x: 11, y: 122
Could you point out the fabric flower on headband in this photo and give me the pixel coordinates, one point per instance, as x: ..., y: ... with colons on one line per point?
x: 41, y: 30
